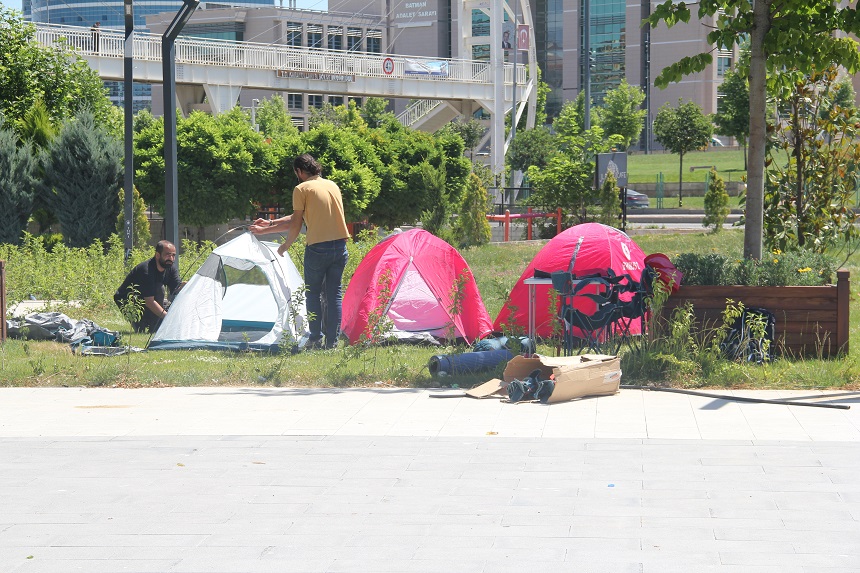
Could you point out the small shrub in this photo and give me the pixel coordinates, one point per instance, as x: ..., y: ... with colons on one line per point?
x: 716, y: 203
x: 798, y: 268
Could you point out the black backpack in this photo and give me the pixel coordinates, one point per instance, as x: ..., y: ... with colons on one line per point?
x: 744, y: 340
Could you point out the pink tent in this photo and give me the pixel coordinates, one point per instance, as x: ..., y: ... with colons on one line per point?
x: 583, y: 249
x: 419, y: 270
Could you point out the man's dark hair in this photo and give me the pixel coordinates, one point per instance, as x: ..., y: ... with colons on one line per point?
x: 308, y: 164
x: 160, y: 246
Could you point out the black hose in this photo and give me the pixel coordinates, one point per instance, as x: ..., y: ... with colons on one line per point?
x: 737, y: 398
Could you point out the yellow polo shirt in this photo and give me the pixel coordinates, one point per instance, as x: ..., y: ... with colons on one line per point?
x: 322, y: 204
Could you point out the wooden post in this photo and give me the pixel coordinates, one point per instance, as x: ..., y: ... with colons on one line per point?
x: 529, y: 232
x: 2, y: 301
x: 558, y: 221
x: 843, y: 288
x: 507, y: 225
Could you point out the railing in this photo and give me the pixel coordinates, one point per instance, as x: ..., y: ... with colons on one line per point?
x: 529, y: 216
x: 316, y: 63
x: 417, y: 110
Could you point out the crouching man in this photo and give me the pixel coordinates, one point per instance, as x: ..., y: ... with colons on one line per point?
x: 149, y: 279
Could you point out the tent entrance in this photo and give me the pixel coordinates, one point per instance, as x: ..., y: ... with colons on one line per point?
x: 248, y: 305
x: 415, y: 308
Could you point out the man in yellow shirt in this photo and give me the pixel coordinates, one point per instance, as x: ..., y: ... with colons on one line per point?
x: 318, y: 202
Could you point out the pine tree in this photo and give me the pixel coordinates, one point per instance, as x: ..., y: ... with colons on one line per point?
x: 716, y: 203
x: 472, y: 227
x: 17, y: 185
x: 83, y: 174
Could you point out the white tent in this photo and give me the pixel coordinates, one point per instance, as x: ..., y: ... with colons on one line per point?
x: 244, y: 296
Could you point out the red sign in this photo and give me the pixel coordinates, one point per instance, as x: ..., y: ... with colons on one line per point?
x: 388, y: 66
x: 522, y: 37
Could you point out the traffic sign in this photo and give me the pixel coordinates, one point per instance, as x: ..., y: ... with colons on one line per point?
x: 388, y: 66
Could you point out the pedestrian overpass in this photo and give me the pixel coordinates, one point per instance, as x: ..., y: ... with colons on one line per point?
x: 219, y: 69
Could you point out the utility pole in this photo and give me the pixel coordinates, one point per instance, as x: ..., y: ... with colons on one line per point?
x: 515, y: 48
x: 168, y: 63
x: 128, y: 108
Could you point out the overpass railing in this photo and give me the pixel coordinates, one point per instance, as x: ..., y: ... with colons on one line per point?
x: 286, y: 61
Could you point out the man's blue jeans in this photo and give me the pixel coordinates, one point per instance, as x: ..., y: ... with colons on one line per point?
x: 324, y: 265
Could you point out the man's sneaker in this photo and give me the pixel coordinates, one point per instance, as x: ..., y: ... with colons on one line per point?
x: 315, y: 344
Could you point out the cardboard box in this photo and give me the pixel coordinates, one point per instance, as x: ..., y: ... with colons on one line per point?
x: 575, y: 376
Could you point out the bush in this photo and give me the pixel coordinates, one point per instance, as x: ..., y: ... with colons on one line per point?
x: 797, y: 268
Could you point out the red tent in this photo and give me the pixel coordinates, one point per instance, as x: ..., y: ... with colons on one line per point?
x: 419, y: 270
x: 595, y: 247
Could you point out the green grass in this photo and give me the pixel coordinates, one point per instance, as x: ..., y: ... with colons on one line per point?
x: 645, y: 168
x: 496, y: 268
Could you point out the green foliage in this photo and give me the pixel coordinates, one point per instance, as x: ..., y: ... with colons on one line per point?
x: 682, y: 130
x: 472, y: 227
x: 373, y: 111
x: 610, y: 202
x: 813, y: 168
x: 36, y: 126
x: 83, y: 174
x: 31, y: 72
x: 733, y: 108
x: 429, y: 181
x: 470, y: 132
x: 621, y: 114
x: 531, y: 147
x: 17, y: 185
x: 140, y: 223
x: 716, y: 203
x: 344, y: 117
x: 571, y: 118
x: 797, y: 268
x: 274, y: 119
x: 221, y: 165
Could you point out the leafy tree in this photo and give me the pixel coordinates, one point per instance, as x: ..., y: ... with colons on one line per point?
x: 681, y: 130
x: 472, y: 227
x: 470, y: 132
x: 429, y: 181
x: 222, y: 163
x: 30, y: 72
x: 83, y: 170
x: 809, y: 196
x: 571, y: 117
x: 374, y: 110
x: 566, y: 182
x: 621, y: 113
x: 610, y: 202
x: 531, y: 147
x: 17, y: 185
x: 273, y: 118
x: 37, y: 128
x: 785, y: 38
x: 140, y: 225
x: 716, y: 203
x: 733, y: 109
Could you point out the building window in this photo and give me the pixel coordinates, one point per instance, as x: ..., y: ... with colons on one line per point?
x: 294, y: 102
x: 294, y: 34
x: 335, y: 38
x: 335, y: 101
x: 353, y: 39
x: 357, y: 100
x: 315, y: 100
x: 315, y: 36
x: 724, y: 63
x: 374, y: 41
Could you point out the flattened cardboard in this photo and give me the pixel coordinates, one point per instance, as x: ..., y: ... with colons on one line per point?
x: 495, y: 388
x: 575, y: 376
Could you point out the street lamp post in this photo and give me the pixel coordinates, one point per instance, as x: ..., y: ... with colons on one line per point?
x: 254, y: 104
x: 168, y: 56
x: 128, y: 108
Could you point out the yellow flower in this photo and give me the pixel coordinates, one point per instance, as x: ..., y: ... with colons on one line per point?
x: 804, y: 270
x: 777, y: 252
x: 776, y: 260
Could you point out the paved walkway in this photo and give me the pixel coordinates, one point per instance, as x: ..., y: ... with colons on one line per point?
x: 261, y: 479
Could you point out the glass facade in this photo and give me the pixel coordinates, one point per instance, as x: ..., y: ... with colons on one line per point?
x: 335, y: 38
x: 374, y: 41
x: 549, y: 36
x: 353, y: 39
x: 315, y: 36
x: 608, y: 47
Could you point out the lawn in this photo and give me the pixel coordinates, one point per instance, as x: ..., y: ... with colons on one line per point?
x: 496, y: 268
x: 645, y: 168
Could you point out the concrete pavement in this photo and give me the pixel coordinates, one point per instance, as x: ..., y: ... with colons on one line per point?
x: 268, y: 479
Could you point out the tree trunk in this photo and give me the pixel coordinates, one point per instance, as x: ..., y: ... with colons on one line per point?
x: 753, y: 219
x: 681, y: 181
x: 797, y: 102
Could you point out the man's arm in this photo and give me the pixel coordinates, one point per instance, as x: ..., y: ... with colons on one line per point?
x: 292, y: 232
x: 154, y: 307
x: 265, y: 226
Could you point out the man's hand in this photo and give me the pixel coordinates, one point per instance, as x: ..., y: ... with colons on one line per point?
x: 283, y: 248
x: 260, y: 227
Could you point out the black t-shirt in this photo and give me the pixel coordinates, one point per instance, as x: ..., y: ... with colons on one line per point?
x: 149, y: 281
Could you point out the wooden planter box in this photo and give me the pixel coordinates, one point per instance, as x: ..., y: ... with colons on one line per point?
x: 810, y: 321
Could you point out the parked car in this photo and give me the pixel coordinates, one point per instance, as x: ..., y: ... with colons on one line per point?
x: 637, y: 200
x: 716, y: 142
